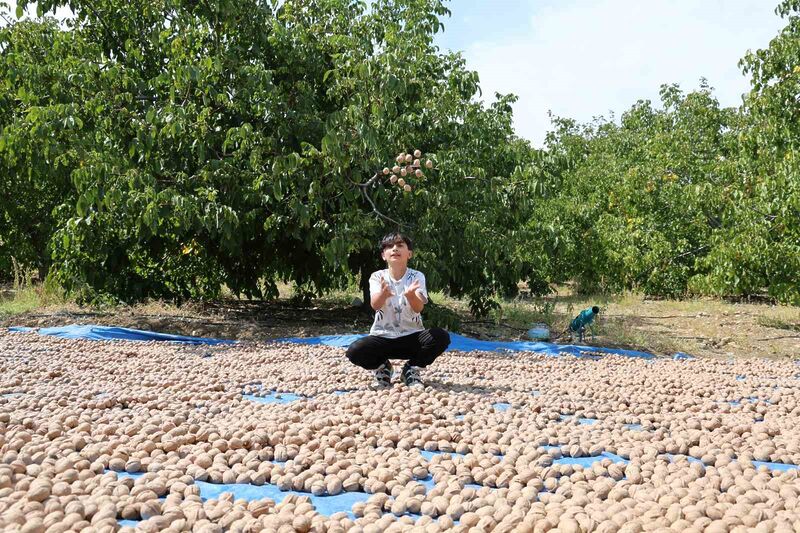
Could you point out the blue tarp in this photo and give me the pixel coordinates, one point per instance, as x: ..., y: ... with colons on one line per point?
x: 581, y: 421
x: 104, y: 333
x: 587, y: 462
x: 457, y: 342
x: 466, y: 344
x: 326, y: 505
x: 780, y: 467
x: 429, y: 455
x: 273, y: 397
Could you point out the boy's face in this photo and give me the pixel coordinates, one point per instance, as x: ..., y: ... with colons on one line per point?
x: 396, y: 254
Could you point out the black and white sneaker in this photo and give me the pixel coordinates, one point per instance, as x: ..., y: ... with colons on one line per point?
x: 411, y: 377
x: 383, y: 377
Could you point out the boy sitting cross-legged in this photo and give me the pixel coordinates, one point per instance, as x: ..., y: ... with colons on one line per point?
x: 398, y: 294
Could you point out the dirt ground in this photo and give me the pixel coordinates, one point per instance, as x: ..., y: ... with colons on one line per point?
x: 705, y: 328
x: 241, y: 320
x: 712, y: 328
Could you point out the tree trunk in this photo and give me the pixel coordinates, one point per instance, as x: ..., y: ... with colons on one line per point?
x: 363, y: 283
x: 364, y: 263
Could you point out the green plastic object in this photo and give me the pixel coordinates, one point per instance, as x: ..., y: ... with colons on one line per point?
x: 585, y: 318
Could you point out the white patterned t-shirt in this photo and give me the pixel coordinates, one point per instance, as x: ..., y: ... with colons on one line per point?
x: 396, y: 318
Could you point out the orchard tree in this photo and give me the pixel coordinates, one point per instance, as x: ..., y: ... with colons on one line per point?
x: 632, y: 205
x: 43, y: 81
x: 757, y: 250
x: 235, y: 143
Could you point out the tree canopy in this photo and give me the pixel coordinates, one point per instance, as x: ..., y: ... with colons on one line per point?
x: 169, y: 148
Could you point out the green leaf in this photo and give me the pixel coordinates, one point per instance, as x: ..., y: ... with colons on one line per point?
x: 82, y: 206
x: 277, y: 189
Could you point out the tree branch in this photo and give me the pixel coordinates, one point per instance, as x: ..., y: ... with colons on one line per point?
x: 111, y: 34
x: 690, y: 252
x: 381, y: 215
x: 369, y: 182
x: 366, y: 185
x: 9, y: 22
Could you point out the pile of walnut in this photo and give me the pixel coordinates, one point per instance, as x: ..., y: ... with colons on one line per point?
x: 74, y: 413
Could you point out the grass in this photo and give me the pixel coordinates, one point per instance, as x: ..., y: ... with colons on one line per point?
x: 30, y: 298
x: 778, y: 323
x: 16, y: 302
x: 617, y: 325
x: 615, y: 332
x: 25, y: 294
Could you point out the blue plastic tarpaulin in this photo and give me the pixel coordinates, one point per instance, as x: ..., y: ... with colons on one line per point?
x: 457, y: 342
x: 466, y: 344
x: 104, y: 333
x: 588, y: 462
x: 326, y: 505
x: 273, y: 397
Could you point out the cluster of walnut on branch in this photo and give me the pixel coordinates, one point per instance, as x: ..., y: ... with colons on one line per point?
x: 408, y: 165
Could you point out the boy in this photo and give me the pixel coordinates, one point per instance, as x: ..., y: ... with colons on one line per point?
x: 398, y: 294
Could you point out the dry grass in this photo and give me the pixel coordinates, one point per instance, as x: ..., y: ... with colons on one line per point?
x: 779, y: 323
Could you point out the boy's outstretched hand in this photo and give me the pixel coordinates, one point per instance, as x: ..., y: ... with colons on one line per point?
x: 386, y: 291
x: 413, y: 298
x: 379, y: 299
x: 412, y: 289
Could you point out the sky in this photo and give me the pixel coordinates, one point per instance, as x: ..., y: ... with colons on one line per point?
x: 586, y: 58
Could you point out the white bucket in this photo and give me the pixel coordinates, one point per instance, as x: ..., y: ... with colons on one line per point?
x: 539, y: 332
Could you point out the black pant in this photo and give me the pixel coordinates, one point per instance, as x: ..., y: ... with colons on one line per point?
x: 420, y: 348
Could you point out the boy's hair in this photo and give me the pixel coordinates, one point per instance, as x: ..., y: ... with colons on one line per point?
x: 393, y: 238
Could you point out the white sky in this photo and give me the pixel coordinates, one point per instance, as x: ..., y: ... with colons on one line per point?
x: 584, y: 58
x: 31, y: 11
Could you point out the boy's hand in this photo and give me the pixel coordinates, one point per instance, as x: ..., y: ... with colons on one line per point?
x: 386, y: 291
x: 378, y: 300
x: 413, y: 298
x: 412, y: 289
